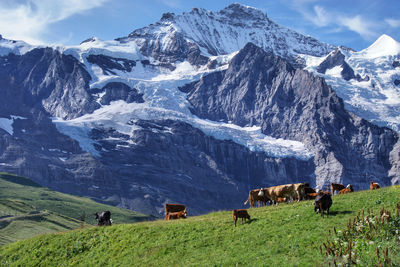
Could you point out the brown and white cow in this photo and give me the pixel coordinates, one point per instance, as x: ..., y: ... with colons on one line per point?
x: 242, y: 213
x: 288, y: 191
x: 281, y: 200
x: 257, y: 195
x: 348, y: 189
x: 373, y: 186
x: 169, y: 208
x: 300, y: 190
x: 336, y: 187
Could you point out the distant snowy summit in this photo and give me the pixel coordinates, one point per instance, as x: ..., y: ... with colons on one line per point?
x: 201, y: 33
x: 12, y: 46
x: 368, y: 81
x: 384, y: 46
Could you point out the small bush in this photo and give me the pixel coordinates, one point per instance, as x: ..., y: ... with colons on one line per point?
x: 369, y: 240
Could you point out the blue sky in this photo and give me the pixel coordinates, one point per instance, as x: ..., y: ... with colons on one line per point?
x: 353, y: 23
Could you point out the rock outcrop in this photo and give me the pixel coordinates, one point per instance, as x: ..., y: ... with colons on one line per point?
x: 46, y: 79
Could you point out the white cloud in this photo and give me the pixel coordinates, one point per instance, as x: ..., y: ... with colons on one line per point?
x: 359, y: 25
x: 395, y: 23
x: 29, y: 20
x: 320, y: 17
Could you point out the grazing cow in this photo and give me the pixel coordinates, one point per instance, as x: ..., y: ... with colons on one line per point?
x: 288, y: 191
x: 257, y: 195
x: 103, y: 218
x: 240, y: 214
x: 322, y: 203
x: 176, y: 215
x: 311, y: 195
x: 174, y: 208
x: 309, y: 190
x: 373, y: 186
x: 348, y: 189
x: 300, y: 190
x: 336, y: 187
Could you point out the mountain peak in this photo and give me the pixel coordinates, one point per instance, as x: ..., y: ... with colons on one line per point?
x: 90, y: 40
x: 204, y: 33
x: 243, y: 12
x: 383, y: 46
x: 167, y: 16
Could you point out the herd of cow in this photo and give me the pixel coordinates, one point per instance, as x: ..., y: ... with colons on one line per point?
x: 272, y: 195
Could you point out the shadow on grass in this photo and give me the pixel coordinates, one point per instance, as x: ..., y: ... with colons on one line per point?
x: 334, y: 213
x: 251, y: 220
x: 240, y: 222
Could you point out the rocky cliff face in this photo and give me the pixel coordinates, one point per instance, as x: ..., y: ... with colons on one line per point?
x: 44, y: 78
x: 161, y: 161
x: 259, y: 88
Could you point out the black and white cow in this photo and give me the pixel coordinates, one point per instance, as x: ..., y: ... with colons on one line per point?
x: 103, y: 218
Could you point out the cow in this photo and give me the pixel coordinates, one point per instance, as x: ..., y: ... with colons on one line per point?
x: 300, y: 190
x: 176, y: 215
x: 174, y: 208
x: 348, y: 189
x: 311, y: 195
x: 309, y: 190
x: 281, y: 199
x: 336, y: 187
x: 322, y: 203
x: 257, y: 195
x: 240, y: 214
x: 103, y: 218
x: 288, y: 191
x: 373, y: 186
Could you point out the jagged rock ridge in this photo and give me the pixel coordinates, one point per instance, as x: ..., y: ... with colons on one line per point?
x: 259, y: 88
x: 337, y: 59
x: 195, y: 35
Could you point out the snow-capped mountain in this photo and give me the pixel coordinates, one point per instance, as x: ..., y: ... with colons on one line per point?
x: 15, y: 47
x: 201, y: 33
x: 371, y: 88
x: 197, y: 108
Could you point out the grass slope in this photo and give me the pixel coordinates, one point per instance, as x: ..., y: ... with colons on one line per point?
x: 27, y: 209
x: 284, y: 235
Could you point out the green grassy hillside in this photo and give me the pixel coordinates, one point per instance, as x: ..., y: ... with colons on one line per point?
x: 284, y: 235
x: 27, y: 209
